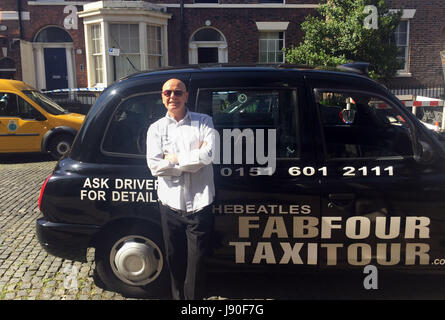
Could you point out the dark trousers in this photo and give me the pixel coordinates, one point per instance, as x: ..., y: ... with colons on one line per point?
x: 187, y: 240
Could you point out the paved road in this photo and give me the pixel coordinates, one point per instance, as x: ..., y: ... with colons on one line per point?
x: 28, y: 272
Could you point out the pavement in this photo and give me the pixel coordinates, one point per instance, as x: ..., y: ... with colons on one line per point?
x: 28, y: 272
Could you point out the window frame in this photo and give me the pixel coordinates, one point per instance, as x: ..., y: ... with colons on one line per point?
x: 40, y: 116
x: 267, y: 46
x: 124, y: 55
x: 405, y: 68
x: 160, y: 43
x: 36, y: 97
x: 97, y: 56
x: 66, y: 37
x: 315, y: 90
x: 16, y: 104
x: 120, y: 154
x: 295, y: 89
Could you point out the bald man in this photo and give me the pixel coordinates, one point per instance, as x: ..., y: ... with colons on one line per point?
x: 180, y: 152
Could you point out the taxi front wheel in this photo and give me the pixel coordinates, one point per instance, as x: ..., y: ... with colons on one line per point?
x: 130, y: 261
x: 60, y: 145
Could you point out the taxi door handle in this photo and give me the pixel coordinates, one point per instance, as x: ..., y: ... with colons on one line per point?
x: 341, y: 196
x: 340, y: 200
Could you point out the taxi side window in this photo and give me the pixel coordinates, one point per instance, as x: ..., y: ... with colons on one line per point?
x: 8, y: 105
x: 357, y: 125
x: 268, y: 109
x: 127, y: 130
x: 27, y: 111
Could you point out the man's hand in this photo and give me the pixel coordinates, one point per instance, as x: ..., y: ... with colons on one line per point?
x: 172, y: 158
x: 202, y: 144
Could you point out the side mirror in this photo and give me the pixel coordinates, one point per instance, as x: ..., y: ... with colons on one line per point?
x: 426, y: 154
x: 347, y: 116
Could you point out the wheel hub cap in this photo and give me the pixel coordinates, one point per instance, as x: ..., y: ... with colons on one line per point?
x: 137, y: 263
x: 62, y: 147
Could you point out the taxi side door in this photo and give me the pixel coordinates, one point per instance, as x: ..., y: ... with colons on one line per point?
x: 21, y: 125
x: 382, y: 200
x: 264, y: 216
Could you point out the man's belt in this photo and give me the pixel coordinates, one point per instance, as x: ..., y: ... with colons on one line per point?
x: 183, y: 212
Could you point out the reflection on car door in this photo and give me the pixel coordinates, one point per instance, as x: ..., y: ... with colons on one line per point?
x: 264, y: 215
x: 379, y: 205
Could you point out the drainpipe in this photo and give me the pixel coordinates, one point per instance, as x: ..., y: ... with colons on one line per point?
x: 19, y: 9
x: 181, y: 26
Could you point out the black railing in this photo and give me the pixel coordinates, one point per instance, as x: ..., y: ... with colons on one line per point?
x: 431, y: 115
x: 436, y: 91
x: 74, y: 101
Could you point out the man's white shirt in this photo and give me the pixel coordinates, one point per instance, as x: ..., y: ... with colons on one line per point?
x: 188, y: 185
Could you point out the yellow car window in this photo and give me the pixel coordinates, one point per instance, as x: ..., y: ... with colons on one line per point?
x: 45, y: 102
x: 8, y: 105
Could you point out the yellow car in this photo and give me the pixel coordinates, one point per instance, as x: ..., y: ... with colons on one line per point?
x: 32, y: 122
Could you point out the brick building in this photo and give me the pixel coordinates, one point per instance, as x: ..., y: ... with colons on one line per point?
x: 422, y: 38
x: 45, y: 45
x: 57, y: 44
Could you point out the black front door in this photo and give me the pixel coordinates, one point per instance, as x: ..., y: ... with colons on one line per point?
x: 207, y: 55
x: 55, y: 68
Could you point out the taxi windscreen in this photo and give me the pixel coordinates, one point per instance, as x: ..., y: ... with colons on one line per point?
x: 45, y: 102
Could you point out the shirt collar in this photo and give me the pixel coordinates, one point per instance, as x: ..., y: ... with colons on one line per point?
x: 187, y: 115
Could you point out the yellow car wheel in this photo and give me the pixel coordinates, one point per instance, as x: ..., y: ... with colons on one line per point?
x: 60, y: 145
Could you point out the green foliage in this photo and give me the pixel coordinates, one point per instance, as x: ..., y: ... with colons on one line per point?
x: 338, y: 35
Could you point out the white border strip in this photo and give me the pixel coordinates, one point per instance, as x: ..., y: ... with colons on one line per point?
x: 272, y: 26
x: 96, y: 89
x: 243, y: 6
x: 417, y: 103
x: 406, y: 13
x: 57, y: 3
x: 14, y: 15
x: 191, y: 6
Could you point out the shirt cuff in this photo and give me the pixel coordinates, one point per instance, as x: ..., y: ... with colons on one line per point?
x: 164, y: 164
x: 166, y: 168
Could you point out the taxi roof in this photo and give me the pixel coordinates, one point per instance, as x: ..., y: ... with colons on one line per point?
x: 227, y: 67
x: 14, y: 85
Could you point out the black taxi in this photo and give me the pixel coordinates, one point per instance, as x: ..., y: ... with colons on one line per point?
x: 315, y: 170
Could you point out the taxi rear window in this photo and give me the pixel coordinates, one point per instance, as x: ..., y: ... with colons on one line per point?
x: 127, y: 130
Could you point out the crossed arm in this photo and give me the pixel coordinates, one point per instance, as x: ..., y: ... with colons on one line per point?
x: 170, y: 164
